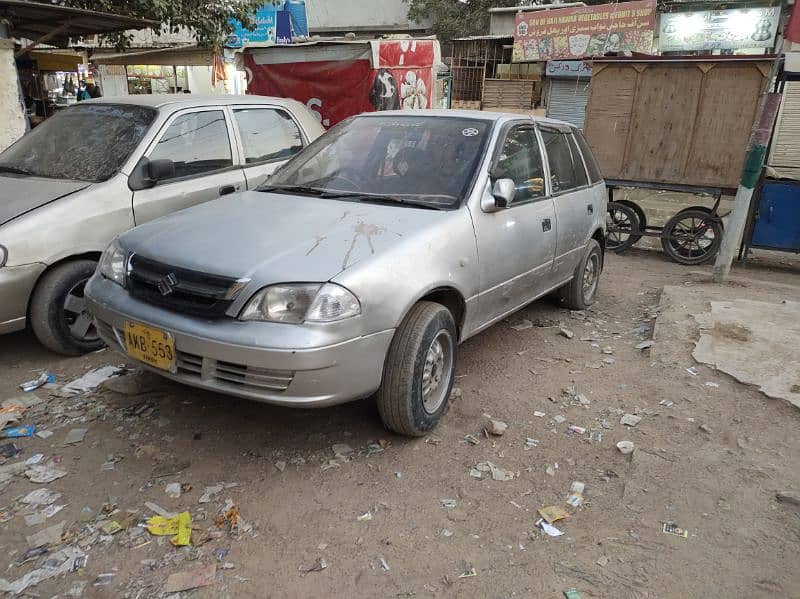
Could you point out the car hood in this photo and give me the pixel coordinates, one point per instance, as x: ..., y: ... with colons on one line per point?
x: 19, y: 195
x: 272, y: 238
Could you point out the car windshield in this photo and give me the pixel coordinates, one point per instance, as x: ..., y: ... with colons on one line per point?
x: 85, y: 143
x: 414, y: 160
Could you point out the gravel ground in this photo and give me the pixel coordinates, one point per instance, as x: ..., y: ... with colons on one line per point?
x: 376, y: 518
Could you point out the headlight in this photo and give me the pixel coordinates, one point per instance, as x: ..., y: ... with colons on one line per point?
x: 3, y: 255
x: 306, y: 302
x: 112, y: 264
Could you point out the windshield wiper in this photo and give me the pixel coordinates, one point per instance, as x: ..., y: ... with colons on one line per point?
x: 13, y: 169
x: 301, y: 189
x: 380, y: 199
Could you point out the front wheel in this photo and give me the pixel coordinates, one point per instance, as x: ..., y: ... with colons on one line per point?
x: 58, y: 311
x: 419, y: 371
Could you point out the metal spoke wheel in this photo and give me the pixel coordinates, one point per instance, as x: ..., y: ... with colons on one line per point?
x: 437, y: 372
x: 621, y: 222
x: 692, y: 236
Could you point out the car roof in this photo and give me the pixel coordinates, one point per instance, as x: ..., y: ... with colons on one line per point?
x: 469, y: 114
x: 189, y: 100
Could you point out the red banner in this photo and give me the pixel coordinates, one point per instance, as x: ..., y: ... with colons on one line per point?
x: 584, y: 31
x: 334, y: 89
x: 792, y: 32
x: 405, y: 73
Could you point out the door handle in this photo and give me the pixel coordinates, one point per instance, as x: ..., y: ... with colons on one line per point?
x: 546, y: 225
x: 226, y: 189
x: 590, y: 209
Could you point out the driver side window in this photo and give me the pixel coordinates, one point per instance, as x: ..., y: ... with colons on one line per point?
x: 521, y: 161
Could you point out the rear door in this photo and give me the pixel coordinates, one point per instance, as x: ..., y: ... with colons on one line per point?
x: 200, y: 143
x: 268, y: 136
x: 576, y: 205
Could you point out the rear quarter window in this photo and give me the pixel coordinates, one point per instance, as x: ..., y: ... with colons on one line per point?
x: 591, y: 164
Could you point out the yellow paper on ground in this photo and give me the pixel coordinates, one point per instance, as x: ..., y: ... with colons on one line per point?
x: 180, y: 526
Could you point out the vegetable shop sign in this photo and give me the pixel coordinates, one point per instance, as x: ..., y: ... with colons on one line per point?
x: 585, y: 31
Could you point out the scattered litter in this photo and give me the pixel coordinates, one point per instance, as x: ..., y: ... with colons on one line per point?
x: 566, y: 333
x: 365, y: 517
x: 603, y: 561
x: 446, y: 532
x: 48, y: 536
x: 111, y: 527
x: 577, y: 487
x: 575, y: 499
x: 644, y: 344
x: 471, y: 439
x: 578, y: 430
x: 539, y: 414
x: 549, y: 529
x: 630, y: 420
x: 475, y: 473
x: 191, y: 579
x: 34, y: 459
x: 40, y: 497
x: 607, y: 350
x: 433, y: 440
x: 318, y: 566
x: 280, y: 465
x: 209, y: 493
x: 666, y: 403
x: 448, y: 503
x: 468, y: 573
x: 180, y: 526
x: 170, y: 469
x: 625, y: 447
x: 693, y: 371
x: 173, y: 490
x: 34, y: 519
x: 10, y: 450
x: 498, y: 474
x: 58, y: 563
x: 17, y: 432
x: 342, y: 451
x: 44, y: 378
x: 608, y: 360
x: 572, y: 594
x: 76, y: 589
x: 705, y: 428
x: 523, y: 326
x: 596, y: 436
x: 531, y: 443
x: 559, y: 419
x: 671, y: 528
x: 384, y: 566
x: 52, y: 510
x: 44, y: 434
x: 553, y: 513
x: 496, y: 427
x: 91, y: 380
x: 593, y: 365
x: 550, y: 471
x: 104, y: 579
x: 44, y: 473
x: 76, y: 435
x: 154, y: 507
x: 712, y: 384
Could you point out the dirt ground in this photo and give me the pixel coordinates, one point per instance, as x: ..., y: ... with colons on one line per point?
x: 718, y: 482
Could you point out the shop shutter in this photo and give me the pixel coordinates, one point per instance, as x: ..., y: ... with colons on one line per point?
x: 566, y: 100
x: 785, y: 152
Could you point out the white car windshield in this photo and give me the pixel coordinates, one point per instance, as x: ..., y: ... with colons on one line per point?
x: 416, y: 160
x: 85, y: 143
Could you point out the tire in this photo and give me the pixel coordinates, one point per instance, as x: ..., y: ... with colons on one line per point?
x: 692, y: 236
x: 402, y: 403
x: 581, y: 291
x: 623, y: 218
x: 58, y: 312
x: 640, y: 216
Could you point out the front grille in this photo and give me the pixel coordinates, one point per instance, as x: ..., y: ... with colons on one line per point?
x: 229, y: 374
x: 188, y: 291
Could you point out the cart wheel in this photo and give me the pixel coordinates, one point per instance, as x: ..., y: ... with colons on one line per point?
x: 692, y: 236
x: 620, y: 220
x: 640, y: 216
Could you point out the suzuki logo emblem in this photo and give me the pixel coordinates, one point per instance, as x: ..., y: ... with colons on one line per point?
x: 167, y: 284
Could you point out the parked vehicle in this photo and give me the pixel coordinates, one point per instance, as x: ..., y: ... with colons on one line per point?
x: 97, y: 169
x: 363, y: 263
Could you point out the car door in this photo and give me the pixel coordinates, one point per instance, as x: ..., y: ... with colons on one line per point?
x: 200, y: 144
x: 268, y: 136
x: 516, y: 245
x: 574, y: 201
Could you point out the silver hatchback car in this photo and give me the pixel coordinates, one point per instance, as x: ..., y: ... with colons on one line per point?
x: 362, y: 263
x: 97, y: 169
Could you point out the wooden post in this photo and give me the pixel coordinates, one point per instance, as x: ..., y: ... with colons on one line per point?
x: 754, y: 162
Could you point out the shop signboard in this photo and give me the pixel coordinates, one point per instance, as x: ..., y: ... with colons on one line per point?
x: 719, y: 29
x: 276, y: 22
x: 570, y: 33
x: 569, y: 69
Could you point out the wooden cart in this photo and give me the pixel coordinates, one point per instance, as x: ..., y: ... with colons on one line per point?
x: 678, y: 124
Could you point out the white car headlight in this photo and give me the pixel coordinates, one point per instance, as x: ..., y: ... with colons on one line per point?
x: 301, y: 302
x: 3, y: 255
x: 113, y: 263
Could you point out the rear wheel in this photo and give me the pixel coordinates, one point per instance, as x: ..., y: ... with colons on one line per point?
x: 620, y: 221
x: 58, y: 311
x: 581, y: 291
x: 419, y: 371
x: 692, y: 236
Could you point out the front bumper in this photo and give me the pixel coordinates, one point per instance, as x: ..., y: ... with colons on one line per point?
x: 241, y: 358
x: 16, y: 285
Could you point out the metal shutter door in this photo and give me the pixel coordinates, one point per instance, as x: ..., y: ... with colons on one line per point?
x: 566, y: 100
x: 785, y: 153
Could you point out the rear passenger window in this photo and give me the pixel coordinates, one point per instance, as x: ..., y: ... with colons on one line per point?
x: 591, y: 164
x: 566, y: 170
x: 267, y: 134
x: 521, y: 161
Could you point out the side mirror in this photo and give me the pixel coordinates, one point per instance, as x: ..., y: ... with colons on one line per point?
x: 147, y: 173
x: 503, y: 192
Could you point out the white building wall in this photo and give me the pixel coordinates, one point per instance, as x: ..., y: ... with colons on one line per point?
x: 359, y: 15
x: 12, y: 118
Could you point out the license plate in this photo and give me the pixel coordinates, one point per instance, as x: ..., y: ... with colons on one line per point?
x: 150, y: 345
